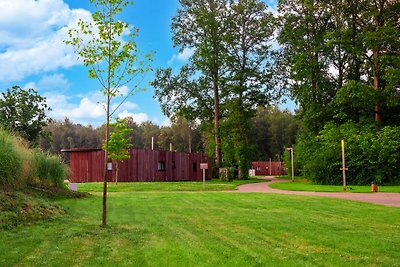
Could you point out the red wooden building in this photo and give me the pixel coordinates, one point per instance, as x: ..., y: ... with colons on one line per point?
x: 86, y: 165
x: 268, y: 168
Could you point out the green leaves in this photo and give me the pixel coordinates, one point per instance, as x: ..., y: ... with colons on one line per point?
x: 23, y: 111
x: 119, y: 141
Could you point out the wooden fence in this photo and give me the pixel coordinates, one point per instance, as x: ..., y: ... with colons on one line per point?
x: 86, y: 165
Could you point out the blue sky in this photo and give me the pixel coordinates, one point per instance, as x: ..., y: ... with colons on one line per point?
x: 33, y: 55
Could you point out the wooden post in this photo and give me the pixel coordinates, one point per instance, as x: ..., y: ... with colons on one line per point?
x: 343, y: 167
x: 270, y: 166
x: 292, y: 156
x: 152, y: 143
x: 170, y: 147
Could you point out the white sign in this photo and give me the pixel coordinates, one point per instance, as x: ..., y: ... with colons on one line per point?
x: 203, y: 166
x: 109, y: 166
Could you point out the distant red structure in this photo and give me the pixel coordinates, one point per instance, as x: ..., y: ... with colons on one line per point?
x: 86, y: 165
x: 268, y: 168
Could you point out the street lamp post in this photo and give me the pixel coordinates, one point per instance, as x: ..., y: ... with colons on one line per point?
x: 292, y: 160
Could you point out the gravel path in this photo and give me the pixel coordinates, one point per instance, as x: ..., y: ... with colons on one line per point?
x: 387, y: 199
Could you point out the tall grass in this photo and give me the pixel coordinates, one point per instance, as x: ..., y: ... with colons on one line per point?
x: 10, y: 160
x: 21, y: 166
x: 49, y: 169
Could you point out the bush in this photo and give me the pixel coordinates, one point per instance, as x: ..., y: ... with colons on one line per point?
x: 371, y: 155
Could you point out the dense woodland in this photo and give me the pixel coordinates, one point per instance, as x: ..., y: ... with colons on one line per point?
x: 273, y: 130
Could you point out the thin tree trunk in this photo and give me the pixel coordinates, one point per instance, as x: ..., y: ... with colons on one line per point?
x: 104, y: 215
x: 377, y: 116
x: 216, y: 126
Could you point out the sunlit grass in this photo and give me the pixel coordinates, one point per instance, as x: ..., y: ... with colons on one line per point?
x: 302, y: 184
x: 209, y: 229
x: 210, y: 185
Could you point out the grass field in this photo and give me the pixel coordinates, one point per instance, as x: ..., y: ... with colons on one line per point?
x: 302, y: 184
x: 208, y: 229
x: 210, y: 185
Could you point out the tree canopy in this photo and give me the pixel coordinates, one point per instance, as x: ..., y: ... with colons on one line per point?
x: 23, y: 111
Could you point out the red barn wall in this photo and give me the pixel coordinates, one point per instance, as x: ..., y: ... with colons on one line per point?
x: 142, y: 166
x: 268, y: 168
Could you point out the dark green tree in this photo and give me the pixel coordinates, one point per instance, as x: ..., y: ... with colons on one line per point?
x: 199, y: 25
x: 23, y: 111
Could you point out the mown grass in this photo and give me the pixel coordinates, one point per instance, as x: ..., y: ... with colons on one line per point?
x: 209, y: 229
x: 32, y: 204
x: 302, y: 184
x: 210, y: 185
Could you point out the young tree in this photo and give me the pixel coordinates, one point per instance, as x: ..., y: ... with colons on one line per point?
x: 118, y: 146
x: 23, y: 112
x: 112, y: 59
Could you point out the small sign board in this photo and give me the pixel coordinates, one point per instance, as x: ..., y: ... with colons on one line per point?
x: 109, y: 166
x: 203, y: 166
x: 73, y: 186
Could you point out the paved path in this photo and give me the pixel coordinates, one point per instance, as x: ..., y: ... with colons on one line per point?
x: 387, y: 199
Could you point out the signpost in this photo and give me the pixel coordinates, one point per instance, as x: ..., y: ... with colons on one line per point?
x: 344, y: 169
x: 204, y: 167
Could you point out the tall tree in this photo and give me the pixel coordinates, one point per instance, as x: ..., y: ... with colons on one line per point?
x: 250, y: 28
x: 199, y: 25
x: 112, y: 59
x: 23, y: 111
x: 304, y: 25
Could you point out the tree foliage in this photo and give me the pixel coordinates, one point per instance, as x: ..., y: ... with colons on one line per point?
x: 23, y: 111
x: 341, y: 59
x: 119, y: 144
x: 228, y: 73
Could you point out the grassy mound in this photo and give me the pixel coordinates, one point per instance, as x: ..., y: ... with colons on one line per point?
x: 30, y: 181
x: 28, y: 206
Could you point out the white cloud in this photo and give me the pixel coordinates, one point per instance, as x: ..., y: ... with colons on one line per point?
x: 86, y: 111
x: 55, y: 82
x: 137, y: 117
x: 125, y: 106
x: 182, y: 56
x: 32, y: 34
x: 88, y: 108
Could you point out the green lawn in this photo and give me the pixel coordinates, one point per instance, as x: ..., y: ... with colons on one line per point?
x: 302, y: 184
x: 211, y: 185
x: 209, y: 229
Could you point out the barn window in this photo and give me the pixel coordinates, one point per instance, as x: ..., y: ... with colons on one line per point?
x: 161, y: 166
x: 173, y: 165
x: 194, y: 166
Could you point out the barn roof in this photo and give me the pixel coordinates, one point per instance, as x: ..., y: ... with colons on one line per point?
x: 80, y: 149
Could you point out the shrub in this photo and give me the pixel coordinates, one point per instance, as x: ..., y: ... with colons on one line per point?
x: 371, y: 155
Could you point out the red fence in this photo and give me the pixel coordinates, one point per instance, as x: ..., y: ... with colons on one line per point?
x: 86, y: 165
x: 268, y: 168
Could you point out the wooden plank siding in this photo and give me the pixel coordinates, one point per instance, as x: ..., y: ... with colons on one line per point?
x: 86, y: 165
x: 263, y: 168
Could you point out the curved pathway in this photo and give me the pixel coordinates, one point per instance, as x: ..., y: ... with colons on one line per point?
x: 387, y: 199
